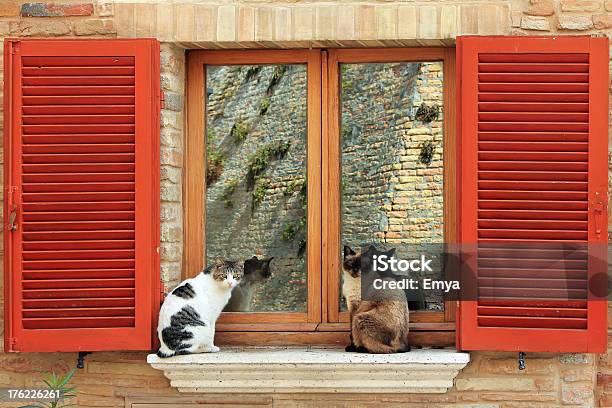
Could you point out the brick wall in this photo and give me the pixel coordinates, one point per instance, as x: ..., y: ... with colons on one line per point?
x: 491, y: 380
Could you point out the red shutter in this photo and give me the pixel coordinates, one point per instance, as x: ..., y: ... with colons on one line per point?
x: 81, y: 147
x: 533, y: 177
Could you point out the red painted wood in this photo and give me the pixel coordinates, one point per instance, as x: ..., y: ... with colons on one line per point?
x: 533, y: 146
x: 82, y: 147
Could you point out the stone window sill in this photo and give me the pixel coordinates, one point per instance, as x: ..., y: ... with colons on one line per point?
x: 310, y: 369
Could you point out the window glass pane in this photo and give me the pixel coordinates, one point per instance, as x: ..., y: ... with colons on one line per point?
x: 256, y: 128
x: 392, y: 170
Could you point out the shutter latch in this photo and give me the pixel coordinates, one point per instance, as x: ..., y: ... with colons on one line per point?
x: 598, y: 208
x: 12, y: 226
x: 521, y: 360
x: 12, y: 219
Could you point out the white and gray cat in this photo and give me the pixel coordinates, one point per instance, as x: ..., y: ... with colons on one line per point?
x: 188, y: 315
x: 256, y: 271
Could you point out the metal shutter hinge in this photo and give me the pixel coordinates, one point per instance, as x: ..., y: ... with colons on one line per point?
x: 162, y: 99
x: 12, y: 343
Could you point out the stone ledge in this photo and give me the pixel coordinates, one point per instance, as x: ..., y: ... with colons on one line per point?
x: 312, y: 370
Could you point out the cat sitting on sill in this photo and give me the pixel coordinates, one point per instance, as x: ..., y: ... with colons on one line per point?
x: 379, y: 323
x: 188, y: 315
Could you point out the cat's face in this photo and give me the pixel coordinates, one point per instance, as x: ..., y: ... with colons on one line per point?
x: 257, y: 269
x: 228, y: 273
x: 353, y: 262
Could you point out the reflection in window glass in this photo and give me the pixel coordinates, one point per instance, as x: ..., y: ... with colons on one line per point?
x: 392, y: 170
x: 256, y: 128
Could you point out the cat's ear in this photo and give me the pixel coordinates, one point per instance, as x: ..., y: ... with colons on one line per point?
x: 348, y: 251
x: 267, y: 261
x: 254, y: 258
x: 219, y: 261
x: 390, y: 252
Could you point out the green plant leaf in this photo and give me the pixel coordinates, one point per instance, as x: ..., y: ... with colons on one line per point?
x: 67, y: 378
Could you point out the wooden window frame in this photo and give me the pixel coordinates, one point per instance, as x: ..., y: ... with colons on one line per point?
x: 323, y: 323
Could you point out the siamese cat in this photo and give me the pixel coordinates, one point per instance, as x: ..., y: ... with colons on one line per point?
x: 188, y: 315
x: 256, y: 271
x: 379, y: 324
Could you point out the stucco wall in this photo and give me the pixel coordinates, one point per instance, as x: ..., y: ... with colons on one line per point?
x: 491, y: 380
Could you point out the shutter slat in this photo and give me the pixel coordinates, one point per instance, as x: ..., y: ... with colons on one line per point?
x: 531, y: 311
x: 77, y: 109
x: 540, y: 58
x: 532, y: 293
x: 77, y: 177
x: 78, y: 148
x: 535, y: 197
x: 502, y: 76
x: 526, y: 322
x: 79, y: 206
x: 77, y: 293
x: 77, y: 80
x: 533, y: 126
x: 522, y: 67
x: 97, y: 126
x: 79, y: 273
x: 79, y: 254
x: 79, y: 216
x: 83, y: 90
x: 78, y: 235
x: 532, y: 96
x: 532, y: 185
x: 79, y: 168
x: 81, y: 196
x: 86, y: 187
x: 77, y: 303
x: 533, y: 116
x: 533, y: 234
x: 78, y: 283
x: 533, y: 176
x: 71, y: 245
x: 515, y: 282
x: 79, y: 312
x: 77, y: 71
x: 76, y: 119
x: 532, y: 273
x: 77, y: 61
x: 532, y: 107
x: 533, y: 146
x: 533, y: 156
x: 79, y: 264
x: 83, y: 139
x: 532, y: 166
x: 533, y: 224
x: 77, y: 322
x: 79, y: 100
x: 78, y: 226
x: 533, y: 215
x: 513, y: 87
x: 78, y: 158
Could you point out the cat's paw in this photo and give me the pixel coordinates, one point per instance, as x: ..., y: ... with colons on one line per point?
x: 211, y: 349
x: 361, y: 349
x: 350, y: 348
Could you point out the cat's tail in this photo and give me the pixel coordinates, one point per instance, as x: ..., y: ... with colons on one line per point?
x: 404, y: 349
x: 161, y: 354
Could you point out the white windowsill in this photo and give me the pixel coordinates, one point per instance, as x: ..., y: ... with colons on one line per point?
x: 310, y: 369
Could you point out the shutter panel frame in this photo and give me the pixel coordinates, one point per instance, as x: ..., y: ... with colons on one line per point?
x: 471, y: 335
x: 112, y: 329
